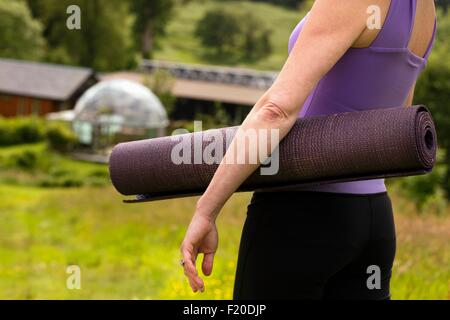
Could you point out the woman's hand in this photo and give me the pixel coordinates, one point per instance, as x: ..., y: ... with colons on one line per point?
x: 201, y: 237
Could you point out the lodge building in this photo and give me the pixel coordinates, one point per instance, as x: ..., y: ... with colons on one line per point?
x: 31, y: 88
x: 28, y: 88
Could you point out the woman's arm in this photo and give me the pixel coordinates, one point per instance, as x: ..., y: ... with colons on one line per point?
x: 331, y: 29
x: 327, y: 34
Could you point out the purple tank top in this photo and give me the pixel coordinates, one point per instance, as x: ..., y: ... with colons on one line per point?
x: 379, y: 76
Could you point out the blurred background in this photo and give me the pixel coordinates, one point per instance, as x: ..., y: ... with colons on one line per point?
x: 76, y: 80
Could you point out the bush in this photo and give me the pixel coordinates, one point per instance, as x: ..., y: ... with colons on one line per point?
x: 60, y: 138
x: 21, y: 130
x: 161, y: 83
x: 98, y: 182
x: 71, y: 182
x: 26, y: 160
x: 433, y: 90
x: 99, y: 174
x: 58, y: 172
x: 68, y: 182
x: 30, y: 130
x: 427, y: 189
x: 6, y: 134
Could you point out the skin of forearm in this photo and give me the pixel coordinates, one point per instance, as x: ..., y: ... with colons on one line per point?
x: 320, y: 45
x: 267, y: 115
x: 278, y: 110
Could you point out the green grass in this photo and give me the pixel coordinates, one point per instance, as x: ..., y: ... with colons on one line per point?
x: 124, y: 251
x: 50, y: 168
x: 131, y: 251
x: 180, y: 44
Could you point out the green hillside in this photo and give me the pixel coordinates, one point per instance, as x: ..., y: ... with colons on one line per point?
x: 180, y: 44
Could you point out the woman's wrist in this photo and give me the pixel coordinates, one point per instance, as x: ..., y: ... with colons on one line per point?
x: 207, y: 208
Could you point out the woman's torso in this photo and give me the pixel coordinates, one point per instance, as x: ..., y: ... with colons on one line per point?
x: 379, y: 75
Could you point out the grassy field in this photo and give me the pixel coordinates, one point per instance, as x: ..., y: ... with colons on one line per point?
x: 131, y: 251
x: 34, y: 164
x: 180, y: 44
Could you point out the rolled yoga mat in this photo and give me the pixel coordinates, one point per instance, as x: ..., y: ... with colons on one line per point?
x: 341, y: 147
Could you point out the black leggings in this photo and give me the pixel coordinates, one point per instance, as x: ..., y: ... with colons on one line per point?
x: 316, y: 245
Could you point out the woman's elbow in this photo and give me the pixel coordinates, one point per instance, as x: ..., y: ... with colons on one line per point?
x: 273, y: 113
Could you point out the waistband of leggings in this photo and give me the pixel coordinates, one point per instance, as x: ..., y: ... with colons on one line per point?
x: 311, y: 193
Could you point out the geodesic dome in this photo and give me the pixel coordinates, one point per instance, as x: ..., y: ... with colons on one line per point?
x: 121, y: 102
x: 117, y: 110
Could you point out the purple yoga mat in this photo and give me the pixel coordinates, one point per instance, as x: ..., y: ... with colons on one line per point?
x: 349, y: 146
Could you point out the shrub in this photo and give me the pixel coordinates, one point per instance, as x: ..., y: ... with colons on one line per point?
x: 67, y: 182
x: 71, y: 182
x: 98, y: 182
x: 29, y: 130
x: 21, y: 130
x: 27, y: 160
x: 426, y: 189
x: 6, y: 133
x: 60, y: 138
x: 433, y: 90
x: 99, y: 173
x: 58, y: 172
x: 161, y: 83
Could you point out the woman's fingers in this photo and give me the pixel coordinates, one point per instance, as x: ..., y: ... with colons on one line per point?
x: 190, y: 270
x: 207, y: 265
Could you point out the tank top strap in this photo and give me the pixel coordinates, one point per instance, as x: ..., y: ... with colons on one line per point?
x: 433, y: 38
x: 398, y: 25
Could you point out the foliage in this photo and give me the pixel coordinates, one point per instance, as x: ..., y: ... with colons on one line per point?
x: 60, y: 138
x: 444, y: 4
x: 161, y: 83
x: 181, y: 44
x: 37, y: 165
x: 105, y: 40
x: 20, y: 34
x: 26, y: 160
x: 25, y: 130
x: 218, y: 29
x: 433, y: 90
x: 425, y: 191
x: 256, y: 37
x: 287, y: 3
x: 21, y: 130
x: 221, y: 117
x: 229, y: 32
x: 151, y: 21
x: 126, y: 25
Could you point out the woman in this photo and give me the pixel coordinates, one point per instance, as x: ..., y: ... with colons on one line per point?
x: 336, y: 241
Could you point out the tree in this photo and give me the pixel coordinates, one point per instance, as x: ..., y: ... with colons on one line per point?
x: 20, y: 34
x: 286, y: 3
x: 444, y: 4
x: 161, y: 83
x: 256, y: 43
x: 151, y: 19
x: 242, y: 33
x: 218, y: 29
x: 105, y: 40
x: 433, y: 90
